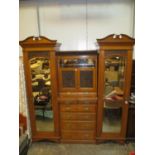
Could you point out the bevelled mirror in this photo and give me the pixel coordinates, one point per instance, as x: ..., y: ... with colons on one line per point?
x: 114, y: 80
x: 41, y: 90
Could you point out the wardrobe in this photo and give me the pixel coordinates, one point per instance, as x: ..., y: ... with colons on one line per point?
x: 78, y: 96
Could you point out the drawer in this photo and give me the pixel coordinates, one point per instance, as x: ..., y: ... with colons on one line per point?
x: 82, y: 135
x: 87, y: 108
x: 69, y: 101
x: 78, y: 125
x: 78, y: 108
x: 88, y: 101
x: 78, y: 116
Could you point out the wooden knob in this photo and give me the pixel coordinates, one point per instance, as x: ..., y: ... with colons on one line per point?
x: 68, y: 116
x: 86, y: 108
x: 126, y: 102
x: 68, y: 108
x: 86, y: 135
x: 86, y: 117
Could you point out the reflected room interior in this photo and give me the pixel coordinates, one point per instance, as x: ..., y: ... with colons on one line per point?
x: 41, y: 90
x: 113, y: 94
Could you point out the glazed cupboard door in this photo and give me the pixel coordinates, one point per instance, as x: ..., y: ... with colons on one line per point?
x: 40, y: 74
x: 87, y: 74
x: 115, y: 61
x: 77, y: 74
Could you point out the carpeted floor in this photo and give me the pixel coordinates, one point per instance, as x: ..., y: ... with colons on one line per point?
x: 47, y: 148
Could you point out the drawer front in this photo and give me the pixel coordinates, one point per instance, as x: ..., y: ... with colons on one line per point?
x: 78, y: 116
x: 78, y: 125
x: 84, y: 135
x: 78, y: 108
x: 88, y: 101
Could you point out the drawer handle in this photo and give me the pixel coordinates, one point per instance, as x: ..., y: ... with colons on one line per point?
x: 68, y: 116
x: 68, y: 108
x: 86, y: 117
x: 68, y: 102
x: 86, y: 108
x: 86, y: 135
x: 68, y: 126
x: 85, y: 102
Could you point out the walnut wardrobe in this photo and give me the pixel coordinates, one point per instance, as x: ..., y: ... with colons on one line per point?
x: 78, y: 96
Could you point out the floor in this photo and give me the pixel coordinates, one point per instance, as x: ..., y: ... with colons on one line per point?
x: 48, y: 148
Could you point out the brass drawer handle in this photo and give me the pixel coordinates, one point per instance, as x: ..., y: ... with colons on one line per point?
x: 68, y: 126
x: 86, y: 117
x: 68, y: 102
x: 86, y: 135
x: 68, y: 108
x: 86, y: 102
x: 86, y: 108
x: 68, y: 116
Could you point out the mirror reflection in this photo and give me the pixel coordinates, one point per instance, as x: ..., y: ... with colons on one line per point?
x: 113, y: 93
x: 41, y: 90
x: 112, y: 117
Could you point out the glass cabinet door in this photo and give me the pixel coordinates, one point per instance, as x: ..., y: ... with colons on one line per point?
x: 67, y: 74
x: 41, y: 90
x: 76, y: 73
x: 86, y: 78
x: 87, y: 74
x: 113, y: 97
x: 68, y: 78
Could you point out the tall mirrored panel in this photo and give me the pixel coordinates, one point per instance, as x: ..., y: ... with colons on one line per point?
x: 113, y: 94
x: 41, y: 91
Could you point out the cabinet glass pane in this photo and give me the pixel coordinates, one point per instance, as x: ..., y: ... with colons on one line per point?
x: 77, y: 62
x: 41, y: 91
x: 86, y: 79
x: 113, y: 93
x: 68, y: 79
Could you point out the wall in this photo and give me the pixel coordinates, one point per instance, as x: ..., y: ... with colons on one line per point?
x: 65, y: 20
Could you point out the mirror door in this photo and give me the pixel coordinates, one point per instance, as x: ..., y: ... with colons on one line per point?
x: 113, y: 92
x: 42, y: 98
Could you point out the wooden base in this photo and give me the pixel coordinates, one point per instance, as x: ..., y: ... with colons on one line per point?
x: 55, y: 139
x: 78, y: 141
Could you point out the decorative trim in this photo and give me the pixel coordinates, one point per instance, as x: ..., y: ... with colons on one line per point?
x: 115, y: 39
x: 33, y: 41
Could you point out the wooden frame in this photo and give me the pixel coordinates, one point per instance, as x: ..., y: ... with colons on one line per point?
x: 117, y: 43
x: 41, y: 44
x: 78, y: 99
